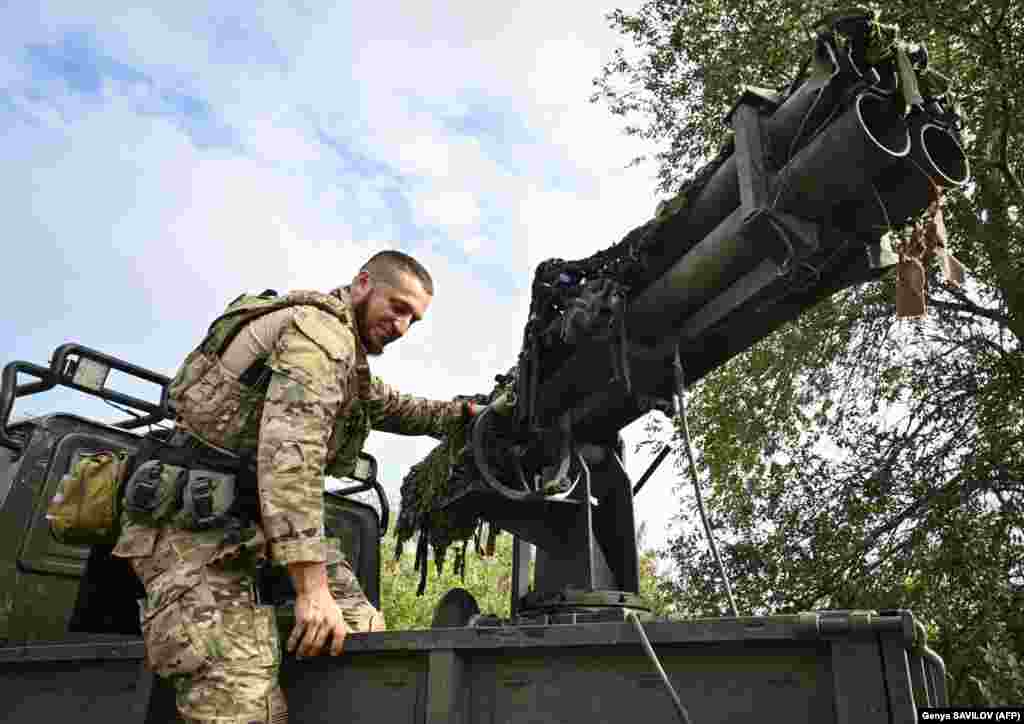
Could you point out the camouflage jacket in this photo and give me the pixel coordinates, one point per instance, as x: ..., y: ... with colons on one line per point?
x: 306, y: 414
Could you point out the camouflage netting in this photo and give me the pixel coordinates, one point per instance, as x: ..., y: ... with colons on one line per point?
x: 443, y: 472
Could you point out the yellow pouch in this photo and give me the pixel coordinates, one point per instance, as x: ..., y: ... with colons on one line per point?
x: 86, y: 507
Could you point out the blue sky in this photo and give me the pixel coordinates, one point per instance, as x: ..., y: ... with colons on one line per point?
x: 159, y: 161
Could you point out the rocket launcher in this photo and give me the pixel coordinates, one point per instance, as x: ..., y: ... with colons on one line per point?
x: 792, y: 210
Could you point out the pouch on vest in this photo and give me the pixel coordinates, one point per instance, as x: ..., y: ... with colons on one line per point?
x: 207, y: 499
x: 153, y: 494
x: 162, y: 494
x: 85, y: 508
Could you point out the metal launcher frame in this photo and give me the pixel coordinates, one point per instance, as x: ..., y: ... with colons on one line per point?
x: 793, y: 215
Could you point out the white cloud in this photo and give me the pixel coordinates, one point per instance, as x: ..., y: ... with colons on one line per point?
x: 424, y: 155
x: 475, y: 116
x: 571, y: 225
x: 473, y: 244
x: 281, y: 137
x: 454, y: 209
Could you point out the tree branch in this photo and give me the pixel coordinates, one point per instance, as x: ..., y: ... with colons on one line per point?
x: 971, y: 308
x: 986, y: 342
x: 1004, y: 138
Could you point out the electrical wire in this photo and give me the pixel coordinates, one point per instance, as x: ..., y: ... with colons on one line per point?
x: 881, y: 205
x: 680, y: 398
x: 684, y: 716
x: 803, y: 122
x: 814, y: 106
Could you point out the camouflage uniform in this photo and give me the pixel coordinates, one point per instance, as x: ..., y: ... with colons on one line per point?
x: 311, y: 407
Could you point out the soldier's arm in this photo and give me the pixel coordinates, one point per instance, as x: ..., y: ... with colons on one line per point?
x: 391, y: 411
x: 308, y: 361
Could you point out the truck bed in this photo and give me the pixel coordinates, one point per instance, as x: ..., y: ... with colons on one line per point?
x: 844, y: 667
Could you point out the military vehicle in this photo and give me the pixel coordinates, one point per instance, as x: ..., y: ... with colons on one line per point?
x: 793, y: 210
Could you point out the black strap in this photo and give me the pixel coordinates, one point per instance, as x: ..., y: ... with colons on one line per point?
x: 247, y: 497
x: 153, y: 448
x: 192, y: 456
x: 254, y: 373
x: 202, y: 501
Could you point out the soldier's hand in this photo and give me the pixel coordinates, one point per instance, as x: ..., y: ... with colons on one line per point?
x: 317, y: 615
x: 317, y: 619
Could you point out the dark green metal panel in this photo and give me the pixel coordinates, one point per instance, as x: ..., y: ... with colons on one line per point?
x: 723, y: 670
x: 7, y: 466
x: 48, y: 573
x: 357, y: 687
x: 66, y: 691
x: 897, y: 678
x: 738, y: 671
x: 858, y: 681
x: 721, y: 683
x: 445, y: 700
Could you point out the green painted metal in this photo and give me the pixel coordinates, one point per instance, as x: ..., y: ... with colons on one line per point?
x: 817, y: 667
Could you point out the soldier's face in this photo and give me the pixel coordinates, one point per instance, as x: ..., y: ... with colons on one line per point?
x: 384, y: 312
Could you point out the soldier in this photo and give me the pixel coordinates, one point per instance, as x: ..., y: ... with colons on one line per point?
x: 283, y: 380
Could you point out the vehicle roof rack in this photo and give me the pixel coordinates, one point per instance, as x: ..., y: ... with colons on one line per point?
x: 84, y: 369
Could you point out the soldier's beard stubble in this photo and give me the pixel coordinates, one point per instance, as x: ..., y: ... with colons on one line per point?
x: 362, y: 310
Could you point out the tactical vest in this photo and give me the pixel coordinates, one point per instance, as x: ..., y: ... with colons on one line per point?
x: 241, y: 433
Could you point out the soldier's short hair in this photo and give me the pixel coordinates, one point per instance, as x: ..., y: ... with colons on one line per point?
x: 387, y: 266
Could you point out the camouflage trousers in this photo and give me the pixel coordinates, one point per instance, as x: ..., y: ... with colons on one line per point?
x: 205, y: 632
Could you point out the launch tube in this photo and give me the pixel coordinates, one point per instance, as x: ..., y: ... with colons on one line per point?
x: 936, y: 162
x: 841, y: 162
x: 838, y: 165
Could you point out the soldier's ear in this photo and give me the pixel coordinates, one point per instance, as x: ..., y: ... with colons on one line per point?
x: 362, y: 283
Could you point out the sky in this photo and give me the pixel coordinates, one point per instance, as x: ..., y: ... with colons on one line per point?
x: 160, y: 161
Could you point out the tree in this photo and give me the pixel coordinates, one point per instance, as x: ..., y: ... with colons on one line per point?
x: 857, y: 460
x: 656, y: 587
x: 488, y: 579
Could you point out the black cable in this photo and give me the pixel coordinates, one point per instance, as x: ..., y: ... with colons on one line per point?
x: 681, y: 411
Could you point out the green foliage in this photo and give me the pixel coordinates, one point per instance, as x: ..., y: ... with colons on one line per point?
x: 488, y: 579
x: 655, y: 588
x: 1005, y: 680
x: 857, y: 461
